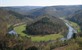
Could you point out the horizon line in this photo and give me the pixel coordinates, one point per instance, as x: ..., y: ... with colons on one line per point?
x: 37, y: 5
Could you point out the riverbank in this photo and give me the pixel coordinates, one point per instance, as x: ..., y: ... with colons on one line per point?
x: 71, y: 30
x: 75, y: 26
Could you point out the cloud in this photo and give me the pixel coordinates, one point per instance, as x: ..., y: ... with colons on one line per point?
x: 39, y: 2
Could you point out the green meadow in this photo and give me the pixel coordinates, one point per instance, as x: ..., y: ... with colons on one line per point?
x: 38, y: 38
x: 75, y: 26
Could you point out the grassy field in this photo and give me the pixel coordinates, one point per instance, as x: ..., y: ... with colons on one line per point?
x: 76, y: 26
x: 46, y: 37
x: 73, y: 24
x: 21, y: 28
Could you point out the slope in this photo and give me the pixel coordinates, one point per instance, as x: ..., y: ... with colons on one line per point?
x: 46, y: 25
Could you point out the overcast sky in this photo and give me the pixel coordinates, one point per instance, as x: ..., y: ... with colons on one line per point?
x: 39, y: 2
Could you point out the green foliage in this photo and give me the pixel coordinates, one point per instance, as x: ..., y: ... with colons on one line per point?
x: 38, y: 38
x: 46, y: 25
x: 77, y: 17
x: 3, y: 27
x: 72, y: 45
x: 20, y: 29
x: 75, y: 26
x: 79, y: 41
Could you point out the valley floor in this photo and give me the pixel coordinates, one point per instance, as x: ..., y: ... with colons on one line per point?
x: 21, y: 28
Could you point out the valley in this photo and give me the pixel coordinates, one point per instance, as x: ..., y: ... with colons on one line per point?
x: 37, y: 38
x: 41, y: 28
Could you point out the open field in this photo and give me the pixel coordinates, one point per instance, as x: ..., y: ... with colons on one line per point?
x: 38, y: 38
x: 46, y: 37
x: 20, y: 30
x: 75, y: 26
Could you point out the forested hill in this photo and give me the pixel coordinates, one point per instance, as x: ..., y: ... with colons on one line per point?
x: 77, y: 17
x: 35, y: 11
x: 46, y: 25
x: 21, y: 9
x: 12, y: 17
x: 58, y: 11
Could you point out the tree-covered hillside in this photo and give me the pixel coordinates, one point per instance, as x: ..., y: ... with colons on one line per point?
x: 13, y: 17
x: 46, y: 25
x: 77, y: 17
x: 35, y: 11
x: 58, y: 11
x: 21, y: 9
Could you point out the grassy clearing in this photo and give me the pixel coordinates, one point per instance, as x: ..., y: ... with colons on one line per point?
x: 38, y: 38
x: 20, y: 30
x: 46, y: 37
x: 76, y: 26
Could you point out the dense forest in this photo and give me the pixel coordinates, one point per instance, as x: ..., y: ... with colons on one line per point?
x: 46, y: 25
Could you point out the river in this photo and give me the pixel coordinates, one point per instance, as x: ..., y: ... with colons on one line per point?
x: 70, y: 33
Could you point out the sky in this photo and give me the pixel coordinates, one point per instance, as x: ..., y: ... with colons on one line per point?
x: 39, y: 2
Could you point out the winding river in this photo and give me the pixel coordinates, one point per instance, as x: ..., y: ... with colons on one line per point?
x: 70, y: 33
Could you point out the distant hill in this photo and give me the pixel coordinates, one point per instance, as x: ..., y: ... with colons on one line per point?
x: 35, y: 11
x: 58, y: 11
x: 12, y: 17
x: 46, y: 25
x: 25, y: 13
x: 21, y: 9
x: 77, y: 17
